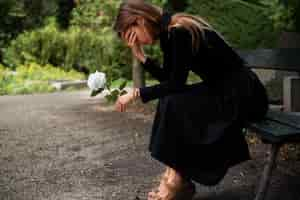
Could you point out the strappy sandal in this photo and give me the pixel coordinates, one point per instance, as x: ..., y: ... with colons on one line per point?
x: 186, y: 192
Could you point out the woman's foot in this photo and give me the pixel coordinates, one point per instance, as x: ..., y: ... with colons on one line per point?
x: 164, y: 177
x: 172, y: 188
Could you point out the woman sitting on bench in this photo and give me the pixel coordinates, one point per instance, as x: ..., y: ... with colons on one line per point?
x: 197, y: 129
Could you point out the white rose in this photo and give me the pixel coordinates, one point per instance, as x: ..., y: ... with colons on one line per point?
x: 96, y: 80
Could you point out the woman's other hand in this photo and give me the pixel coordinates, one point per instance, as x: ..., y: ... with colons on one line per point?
x: 130, y: 38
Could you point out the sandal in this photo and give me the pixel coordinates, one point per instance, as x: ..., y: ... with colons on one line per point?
x: 186, y: 192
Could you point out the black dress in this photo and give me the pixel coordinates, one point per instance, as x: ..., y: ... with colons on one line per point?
x: 198, y: 128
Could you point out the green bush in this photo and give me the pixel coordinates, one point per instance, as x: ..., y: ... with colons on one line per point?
x: 76, y: 46
x: 90, y: 41
x: 33, y: 78
x: 244, y: 25
x: 284, y: 17
x: 95, y: 14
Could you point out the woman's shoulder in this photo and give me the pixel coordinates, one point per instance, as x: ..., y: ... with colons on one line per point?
x: 174, y: 34
x: 179, y: 30
x: 182, y: 35
x: 215, y: 39
x: 206, y: 34
x: 179, y: 34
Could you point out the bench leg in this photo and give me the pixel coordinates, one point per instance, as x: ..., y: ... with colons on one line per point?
x: 267, y: 173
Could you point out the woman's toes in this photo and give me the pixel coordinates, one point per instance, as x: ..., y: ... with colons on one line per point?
x: 152, y: 195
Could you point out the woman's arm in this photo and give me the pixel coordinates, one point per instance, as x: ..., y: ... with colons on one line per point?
x: 153, y: 67
x: 180, y: 51
x: 179, y: 55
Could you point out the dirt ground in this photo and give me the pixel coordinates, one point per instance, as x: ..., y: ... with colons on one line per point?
x: 68, y: 146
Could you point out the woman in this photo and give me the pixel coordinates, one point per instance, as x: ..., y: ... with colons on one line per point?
x: 197, y: 131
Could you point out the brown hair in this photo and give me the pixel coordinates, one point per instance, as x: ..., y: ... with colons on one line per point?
x: 130, y: 10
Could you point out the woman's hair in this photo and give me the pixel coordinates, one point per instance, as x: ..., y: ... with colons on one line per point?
x: 130, y: 10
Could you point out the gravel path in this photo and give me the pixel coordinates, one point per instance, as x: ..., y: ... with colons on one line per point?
x: 68, y: 146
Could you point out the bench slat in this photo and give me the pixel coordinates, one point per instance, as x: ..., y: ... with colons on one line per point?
x: 288, y: 118
x: 278, y: 126
x: 273, y: 131
x: 277, y: 59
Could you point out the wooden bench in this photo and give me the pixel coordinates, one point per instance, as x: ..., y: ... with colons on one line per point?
x: 279, y: 126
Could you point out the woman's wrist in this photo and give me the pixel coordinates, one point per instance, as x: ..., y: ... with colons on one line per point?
x: 144, y: 59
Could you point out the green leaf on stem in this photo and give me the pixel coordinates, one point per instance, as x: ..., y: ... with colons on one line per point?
x: 113, y: 96
x: 123, y: 92
x: 123, y: 84
x: 95, y: 92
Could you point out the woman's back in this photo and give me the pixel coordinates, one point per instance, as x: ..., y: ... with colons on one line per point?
x: 218, y: 65
x: 214, y: 59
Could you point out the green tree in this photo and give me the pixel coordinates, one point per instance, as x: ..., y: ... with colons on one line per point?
x: 19, y: 15
x: 285, y: 14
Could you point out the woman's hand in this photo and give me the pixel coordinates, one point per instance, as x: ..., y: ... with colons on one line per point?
x: 130, y: 37
x: 123, y: 101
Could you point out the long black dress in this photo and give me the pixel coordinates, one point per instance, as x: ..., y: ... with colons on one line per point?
x: 198, y: 128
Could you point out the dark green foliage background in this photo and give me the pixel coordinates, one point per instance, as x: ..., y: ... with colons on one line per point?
x: 79, y: 33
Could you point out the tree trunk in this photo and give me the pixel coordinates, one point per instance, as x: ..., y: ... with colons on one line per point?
x: 138, y: 75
